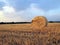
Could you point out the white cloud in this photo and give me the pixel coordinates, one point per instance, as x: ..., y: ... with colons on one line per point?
x: 54, y: 14
x: 1, y: 15
x: 5, y: 1
x: 9, y: 14
x: 26, y: 15
x: 34, y: 10
x: 8, y: 9
x: 31, y: 12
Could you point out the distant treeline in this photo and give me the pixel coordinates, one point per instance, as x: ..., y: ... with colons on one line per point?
x: 14, y: 22
x: 25, y: 22
x: 54, y: 21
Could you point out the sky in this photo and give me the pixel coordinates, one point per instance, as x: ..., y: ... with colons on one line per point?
x: 26, y: 10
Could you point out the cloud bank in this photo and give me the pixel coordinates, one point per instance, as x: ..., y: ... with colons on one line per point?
x: 9, y: 13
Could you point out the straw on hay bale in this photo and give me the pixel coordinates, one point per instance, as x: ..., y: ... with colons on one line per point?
x: 39, y: 22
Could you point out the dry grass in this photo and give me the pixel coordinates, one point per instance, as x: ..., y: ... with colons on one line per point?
x: 48, y: 35
x: 52, y: 26
x: 42, y: 35
x: 36, y: 33
x: 14, y: 26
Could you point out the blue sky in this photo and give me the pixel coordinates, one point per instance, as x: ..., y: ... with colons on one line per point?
x: 26, y: 10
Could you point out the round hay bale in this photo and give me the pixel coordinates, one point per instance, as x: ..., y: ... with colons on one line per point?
x: 39, y: 22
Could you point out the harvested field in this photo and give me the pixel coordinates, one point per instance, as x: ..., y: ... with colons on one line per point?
x: 28, y: 34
